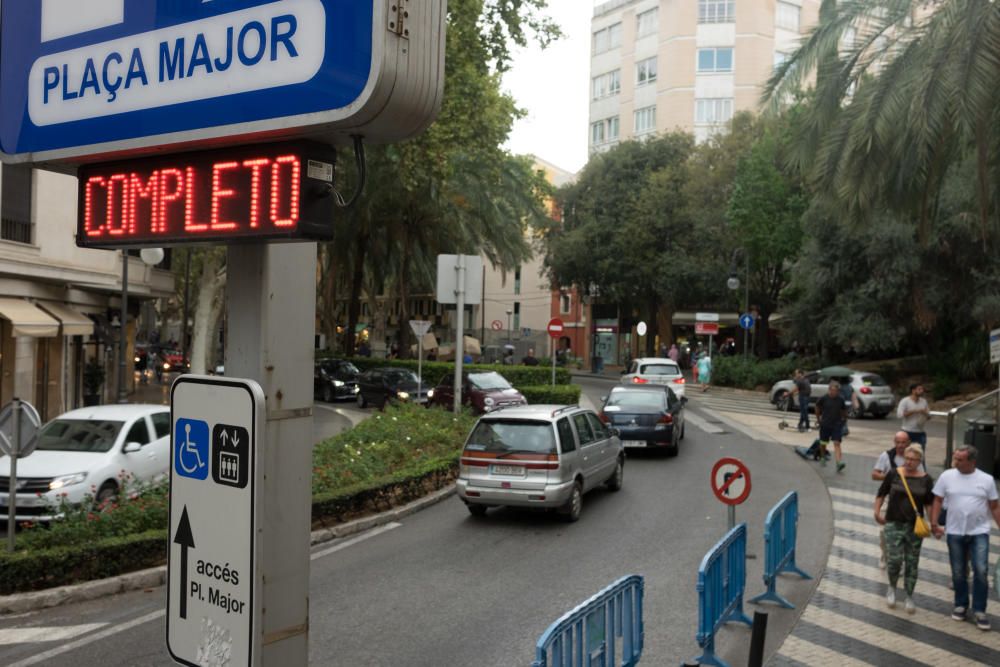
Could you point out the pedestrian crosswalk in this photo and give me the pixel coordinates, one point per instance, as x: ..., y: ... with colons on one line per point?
x: 747, y: 403
x: 847, y: 622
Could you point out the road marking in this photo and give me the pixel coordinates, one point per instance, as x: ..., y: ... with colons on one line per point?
x: 702, y: 424
x: 813, y: 654
x: 97, y: 636
x: 354, y: 540
x: 32, y: 635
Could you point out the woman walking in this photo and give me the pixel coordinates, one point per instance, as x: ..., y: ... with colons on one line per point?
x: 909, y: 490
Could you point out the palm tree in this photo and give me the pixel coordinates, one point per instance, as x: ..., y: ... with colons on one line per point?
x: 904, y: 89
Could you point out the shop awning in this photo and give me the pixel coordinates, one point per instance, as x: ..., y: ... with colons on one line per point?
x: 28, y: 319
x: 73, y: 323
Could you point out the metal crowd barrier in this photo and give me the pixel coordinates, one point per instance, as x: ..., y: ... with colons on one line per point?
x: 722, y: 579
x: 780, y: 530
x: 585, y: 636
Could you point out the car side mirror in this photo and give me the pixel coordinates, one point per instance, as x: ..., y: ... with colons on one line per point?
x: 684, y: 399
x: 132, y: 447
x: 615, y: 432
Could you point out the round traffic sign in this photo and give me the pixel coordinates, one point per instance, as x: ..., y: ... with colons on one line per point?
x: 746, y: 321
x: 30, y: 423
x: 555, y: 327
x: 731, y: 481
x: 641, y: 328
x: 497, y: 325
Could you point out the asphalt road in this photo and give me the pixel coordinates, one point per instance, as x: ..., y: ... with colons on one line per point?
x: 444, y: 588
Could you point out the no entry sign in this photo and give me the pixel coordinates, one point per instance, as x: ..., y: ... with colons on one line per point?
x: 731, y: 481
x: 555, y: 327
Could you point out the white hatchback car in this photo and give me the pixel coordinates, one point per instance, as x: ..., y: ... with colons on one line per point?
x: 655, y: 370
x: 87, y: 452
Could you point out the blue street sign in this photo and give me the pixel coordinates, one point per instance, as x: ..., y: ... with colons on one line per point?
x: 746, y: 321
x: 82, y: 77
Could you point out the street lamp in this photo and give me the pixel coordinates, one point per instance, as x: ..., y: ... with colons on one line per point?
x: 151, y: 257
x: 509, y: 313
x: 734, y: 284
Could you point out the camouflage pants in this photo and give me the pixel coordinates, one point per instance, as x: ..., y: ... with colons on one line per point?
x: 902, y: 554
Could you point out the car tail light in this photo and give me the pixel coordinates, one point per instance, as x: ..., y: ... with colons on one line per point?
x: 474, y: 494
x: 866, y: 390
x: 604, y: 418
x: 638, y: 380
x: 679, y: 380
x: 666, y: 419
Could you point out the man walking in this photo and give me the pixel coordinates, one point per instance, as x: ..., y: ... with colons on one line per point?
x: 802, y: 389
x: 831, y: 413
x: 914, y: 413
x: 971, y: 496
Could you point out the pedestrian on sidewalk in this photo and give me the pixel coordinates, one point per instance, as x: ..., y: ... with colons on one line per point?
x: 673, y: 352
x: 705, y: 372
x: 971, y: 496
x: 803, y: 390
x: 914, y: 413
x: 831, y: 413
x: 902, y: 544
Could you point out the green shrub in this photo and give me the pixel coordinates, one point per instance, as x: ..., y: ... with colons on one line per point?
x: 435, y: 371
x: 752, y: 373
x: 944, y: 384
x: 560, y: 394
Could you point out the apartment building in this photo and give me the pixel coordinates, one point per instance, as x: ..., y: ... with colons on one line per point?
x: 662, y: 65
x: 60, y: 304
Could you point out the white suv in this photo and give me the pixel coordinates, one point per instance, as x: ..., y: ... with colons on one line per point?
x: 655, y: 370
x: 544, y: 456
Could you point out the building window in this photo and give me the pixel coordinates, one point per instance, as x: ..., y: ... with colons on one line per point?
x: 608, y: 38
x: 713, y: 110
x: 715, y: 60
x: 15, y: 203
x: 517, y: 280
x: 645, y: 120
x: 646, y: 23
x: 604, y: 130
x: 645, y: 71
x: 564, y: 303
x: 716, y: 11
x: 786, y: 16
x: 606, y: 85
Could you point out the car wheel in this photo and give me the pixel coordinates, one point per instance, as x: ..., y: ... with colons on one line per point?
x: 574, y: 506
x: 477, y: 510
x: 854, y: 413
x: 617, y: 477
x: 106, y: 496
x: 362, y: 403
x: 882, y: 415
x: 327, y: 394
x: 682, y: 431
x: 674, y: 447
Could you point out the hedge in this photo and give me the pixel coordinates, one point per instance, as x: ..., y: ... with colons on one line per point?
x: 435, y: 371
x: 752, y: 373
x: 560, y: 394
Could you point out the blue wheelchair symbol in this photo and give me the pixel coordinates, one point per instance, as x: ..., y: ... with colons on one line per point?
x: 191, y: 448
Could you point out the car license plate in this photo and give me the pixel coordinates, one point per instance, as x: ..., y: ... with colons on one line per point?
x: 633, y: 443
x: 884, y: 401
x: 22, y: 501
x: 507, y: 470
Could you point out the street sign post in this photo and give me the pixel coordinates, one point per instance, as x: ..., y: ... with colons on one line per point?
x: 420, y: 327
x: 746, y: 321
x: 731, y: 484
x: 213, y: 580
x: 19, y: 424
x: 555, y: 329
x: 86, y: 78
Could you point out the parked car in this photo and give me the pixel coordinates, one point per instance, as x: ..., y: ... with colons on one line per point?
x: 874, y: 394
x: 85, y: 452
x: 379, y: 386
x: 482, y: 391
x: 655, y: 370
x: 543, y: 456
x: 646, y: 415
x: 335, y: 379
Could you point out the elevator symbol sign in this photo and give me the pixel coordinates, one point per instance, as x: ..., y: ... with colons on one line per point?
x: 213, y: 586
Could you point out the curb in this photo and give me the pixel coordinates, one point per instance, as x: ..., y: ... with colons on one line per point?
x: 20, y: 603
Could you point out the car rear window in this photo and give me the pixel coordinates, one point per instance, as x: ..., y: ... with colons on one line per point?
x: 660, y: 369
x: 637, y: 399
x: 512, y: 435
x: 873, y: 381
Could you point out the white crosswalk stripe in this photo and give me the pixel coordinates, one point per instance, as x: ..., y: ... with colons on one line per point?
x: 31, y: 635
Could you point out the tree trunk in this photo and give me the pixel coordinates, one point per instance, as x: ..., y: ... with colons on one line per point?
x: 207, y: 311
x: 354, y: 304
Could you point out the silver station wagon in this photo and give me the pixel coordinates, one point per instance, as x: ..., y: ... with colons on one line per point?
x: 543, y: 456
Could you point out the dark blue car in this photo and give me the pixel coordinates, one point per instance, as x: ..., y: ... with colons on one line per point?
x: 647, y: 416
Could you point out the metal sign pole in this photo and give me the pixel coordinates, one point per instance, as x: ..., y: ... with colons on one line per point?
x: 12, y: 489
x: 552, y: 353
x: 732, y: 516
x: 420, y: 365
x: 459, y: 329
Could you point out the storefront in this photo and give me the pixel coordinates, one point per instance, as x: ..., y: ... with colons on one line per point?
x: 606, y: 342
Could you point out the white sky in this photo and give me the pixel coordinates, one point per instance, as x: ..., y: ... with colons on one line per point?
x: 552, y: 86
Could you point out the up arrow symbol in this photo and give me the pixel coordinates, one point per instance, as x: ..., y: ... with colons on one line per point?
x: 185, y: 538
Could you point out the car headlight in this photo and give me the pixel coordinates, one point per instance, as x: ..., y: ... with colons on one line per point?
x: 403, y: 394
x: 166, y: 366
x: 338, y: 383
x: 488, y: 401
x: 136, y: 360
x: 430, y: 393
x: 67, y: 480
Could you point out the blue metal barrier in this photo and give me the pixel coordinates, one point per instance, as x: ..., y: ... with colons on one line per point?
x: 585, y: 636
x: 722, y: 578
x: 780, y: 530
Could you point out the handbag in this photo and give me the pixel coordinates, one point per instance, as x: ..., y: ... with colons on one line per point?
x: 921, y: 528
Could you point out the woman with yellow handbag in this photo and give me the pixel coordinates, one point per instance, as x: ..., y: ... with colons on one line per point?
x: 909, y: 490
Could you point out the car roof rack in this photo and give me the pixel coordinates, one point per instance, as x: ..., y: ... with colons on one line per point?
x: 563, y: 409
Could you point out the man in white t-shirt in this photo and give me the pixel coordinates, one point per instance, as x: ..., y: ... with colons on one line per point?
x: 914, y: 413
x: 971, y: 496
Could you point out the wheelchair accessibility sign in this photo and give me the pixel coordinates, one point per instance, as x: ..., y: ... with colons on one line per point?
x: 212, y: 580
